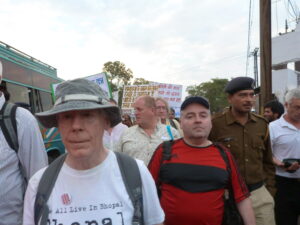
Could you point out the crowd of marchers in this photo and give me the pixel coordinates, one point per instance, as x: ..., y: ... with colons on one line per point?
x: 157, y: 169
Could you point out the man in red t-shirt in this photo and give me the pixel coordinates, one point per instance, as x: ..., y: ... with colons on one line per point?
x: 192, y: 182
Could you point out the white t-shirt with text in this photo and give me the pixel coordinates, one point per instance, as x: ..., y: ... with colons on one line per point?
x: 96, y: 196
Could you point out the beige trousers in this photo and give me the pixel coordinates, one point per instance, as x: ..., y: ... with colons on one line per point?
x: 263, y: 206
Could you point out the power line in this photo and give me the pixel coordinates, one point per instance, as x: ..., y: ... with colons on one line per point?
x: 249, y: 36
x: 276, y: 15
x: 293, y: 8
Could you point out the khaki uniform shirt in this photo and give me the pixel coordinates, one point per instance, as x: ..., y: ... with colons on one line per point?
x: 138, y: 144
x: 249, y: 144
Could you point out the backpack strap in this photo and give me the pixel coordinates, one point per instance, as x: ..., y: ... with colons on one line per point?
x: 167, y: 150
x: 133, y: 183
x: 9, y: 125
x: 224, y: 156
x: 229, y: 190
x: 44, y: 190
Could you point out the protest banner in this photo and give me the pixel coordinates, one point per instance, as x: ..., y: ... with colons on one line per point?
x: 99, y: 78
x: 170, y: 92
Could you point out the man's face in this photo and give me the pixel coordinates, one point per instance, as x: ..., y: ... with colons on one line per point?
x: 293, y: 109
x: 195, y: 121
x: 172, y: 115
x: 143, y: 113
x: 269, y: 115
x: 161, y: 109
x: 242, y: 101
x: 82, y: 132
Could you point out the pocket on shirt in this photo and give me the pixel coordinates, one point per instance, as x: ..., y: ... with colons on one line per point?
x: 258, y: 145
x: 228, y: 142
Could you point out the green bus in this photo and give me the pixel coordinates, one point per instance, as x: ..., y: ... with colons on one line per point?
x: 27, y: 81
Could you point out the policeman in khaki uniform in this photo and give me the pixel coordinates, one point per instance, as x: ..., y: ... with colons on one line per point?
x: 246, y: 135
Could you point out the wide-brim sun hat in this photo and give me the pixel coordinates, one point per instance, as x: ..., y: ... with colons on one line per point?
x: 79, y: 94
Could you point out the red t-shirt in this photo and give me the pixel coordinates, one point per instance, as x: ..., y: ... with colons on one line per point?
x: 192, y: 183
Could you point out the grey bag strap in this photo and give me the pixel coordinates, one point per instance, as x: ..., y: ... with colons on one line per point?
x: 9, y: 125
x: 9, y: 129
x: 133, y: 183
x: 44, y: 190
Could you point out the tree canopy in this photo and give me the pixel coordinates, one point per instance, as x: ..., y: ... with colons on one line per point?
x: 212, y: 90
x: 140, y: 81
x: 117, y: 74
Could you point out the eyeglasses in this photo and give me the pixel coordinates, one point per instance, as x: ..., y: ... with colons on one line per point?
x: 161, y: 107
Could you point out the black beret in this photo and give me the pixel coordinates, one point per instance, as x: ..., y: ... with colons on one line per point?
x: 195, y: 99
x: 240, y: 83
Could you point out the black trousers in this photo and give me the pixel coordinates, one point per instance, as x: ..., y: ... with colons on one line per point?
x: 287, y: 201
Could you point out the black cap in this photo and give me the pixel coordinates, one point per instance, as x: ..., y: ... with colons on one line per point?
x: 240, y: 83
x: 195, y: 99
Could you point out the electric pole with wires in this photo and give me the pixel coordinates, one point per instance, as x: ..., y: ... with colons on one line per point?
x: 265, y: 53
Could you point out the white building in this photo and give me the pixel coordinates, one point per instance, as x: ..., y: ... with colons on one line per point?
x: 285, y: 62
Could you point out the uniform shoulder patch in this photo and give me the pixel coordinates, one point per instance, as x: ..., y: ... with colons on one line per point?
x: 217, y: 115
x: 220, y: 114
x: 260, y: 117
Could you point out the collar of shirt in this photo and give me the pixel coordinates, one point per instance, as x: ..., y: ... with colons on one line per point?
x: 283, y: 123
x: 140, y: 129
x: 230, y: 119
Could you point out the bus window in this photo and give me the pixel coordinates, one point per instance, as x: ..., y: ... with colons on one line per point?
x: 42, y: 101
x: 18, y: 93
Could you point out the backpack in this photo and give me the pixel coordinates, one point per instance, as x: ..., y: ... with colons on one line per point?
x: 8, y: 125
x: 130, y: 175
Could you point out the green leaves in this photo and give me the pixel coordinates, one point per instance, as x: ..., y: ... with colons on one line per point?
x: 118, y: 75
x: 212, y: 90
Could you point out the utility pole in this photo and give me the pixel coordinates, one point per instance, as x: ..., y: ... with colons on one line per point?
x: 265, y: 53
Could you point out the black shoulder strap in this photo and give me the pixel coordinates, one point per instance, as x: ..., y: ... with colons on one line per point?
x: 44, y: 190
x: 8, y: 124
x: 224, y: 156
x: 167, y: 150
x: 133, y: 183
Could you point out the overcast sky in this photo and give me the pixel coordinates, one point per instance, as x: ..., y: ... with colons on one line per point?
x: 172, y: 41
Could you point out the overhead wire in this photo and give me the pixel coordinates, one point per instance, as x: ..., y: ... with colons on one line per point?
x: 249, y: 36
x: 295, y: 14
x: 276, y: 15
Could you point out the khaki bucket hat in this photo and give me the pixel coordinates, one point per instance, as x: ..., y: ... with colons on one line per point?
x: 79, y: 94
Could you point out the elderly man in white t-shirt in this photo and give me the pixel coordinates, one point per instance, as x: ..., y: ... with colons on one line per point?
x: 89, y: 188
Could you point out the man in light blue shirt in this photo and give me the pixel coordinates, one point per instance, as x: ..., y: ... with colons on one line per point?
x: 31, y: 156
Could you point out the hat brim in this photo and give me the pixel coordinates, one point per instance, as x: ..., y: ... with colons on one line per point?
x: 49, y: 118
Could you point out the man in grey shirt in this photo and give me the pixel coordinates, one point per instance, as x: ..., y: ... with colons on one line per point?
x: 31, y: 156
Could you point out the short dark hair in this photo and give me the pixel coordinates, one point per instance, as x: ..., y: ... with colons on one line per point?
x: 275, y: 106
